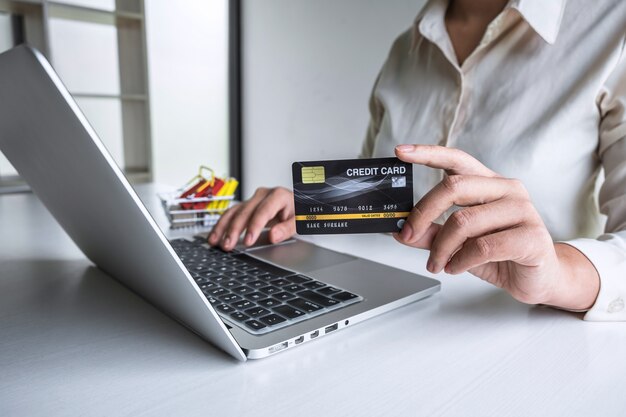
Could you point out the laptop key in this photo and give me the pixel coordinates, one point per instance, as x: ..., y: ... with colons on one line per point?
x: 245, y: 278
x: 268, y: 303
x: 283, y: 296
x: 239, y: 316
x: 246, y: 268
x: 256, y: 311
x: 267, y: 276
x: 217, y: 292
x: 304, y: 305
x: 328, y: 290
x: 272, y: 319
x: 255, y: 296
x: 288, y: 311
x: 313, y: 285
x: 243, y: 290
x: 206, y: 274
x: 225, y: 308
x: 270, y: 290
x: 298, y: 279
x: 231, y: 284
x: 202, y: 280
x: 279, y: 282
x: 197, y: 268
x: 257, y: 284
x: 219, y: 279
x: 231, y: 298
x: 293, y: 288
x: 240, y: 305
x: 255, y: 325
x: 318, y: 298
x: 344, y: 296
x: 232, y: 274
x: 223, y: 268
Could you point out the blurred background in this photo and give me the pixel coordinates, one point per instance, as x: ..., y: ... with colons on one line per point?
x: 243, y: 86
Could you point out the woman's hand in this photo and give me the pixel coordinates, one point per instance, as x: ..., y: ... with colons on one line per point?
x: 497, y: 234
x: 268, y: 207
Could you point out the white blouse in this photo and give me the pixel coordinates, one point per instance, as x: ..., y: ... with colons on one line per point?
x: 542, y: 99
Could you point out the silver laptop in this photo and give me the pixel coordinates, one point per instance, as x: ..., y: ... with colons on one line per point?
x: 250, y: 303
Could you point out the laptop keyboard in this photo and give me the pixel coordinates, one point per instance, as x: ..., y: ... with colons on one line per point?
x: 255, y: 295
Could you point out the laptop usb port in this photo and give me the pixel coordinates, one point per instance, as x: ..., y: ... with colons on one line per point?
x: 331, y: 328
x: 278, y: 347
x: 315, y: 334
x: 299, y: 340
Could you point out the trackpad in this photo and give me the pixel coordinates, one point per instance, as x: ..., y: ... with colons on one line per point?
x: 300, y: 256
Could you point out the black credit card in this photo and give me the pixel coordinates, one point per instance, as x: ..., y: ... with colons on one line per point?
x: 352, y: 195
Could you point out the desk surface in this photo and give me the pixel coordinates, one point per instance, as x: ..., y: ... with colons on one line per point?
x: 73, y: 341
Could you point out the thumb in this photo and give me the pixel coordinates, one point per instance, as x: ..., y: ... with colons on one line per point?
x: 425, y: 241
x: 283, y: 230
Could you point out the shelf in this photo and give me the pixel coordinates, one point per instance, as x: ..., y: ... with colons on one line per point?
x: 123, y: 97
x: 133, y: 91
x: 14, y: 184
x: 14, y: 189
x: 89, y: 14
x: 21, y: 6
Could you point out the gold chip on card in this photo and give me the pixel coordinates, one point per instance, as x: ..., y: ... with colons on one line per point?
x: 313, y: 175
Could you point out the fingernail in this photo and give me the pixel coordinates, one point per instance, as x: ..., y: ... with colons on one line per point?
x: 447, y: 269
x: 278, y: 235
x: 212, y: 237
x: 405, y: 148
x: 249, y: 239
x: 429, y: 265
x: 227, y: 241
x: 406, y: 232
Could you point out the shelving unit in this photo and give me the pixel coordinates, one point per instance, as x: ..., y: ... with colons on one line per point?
x: 32, y: 20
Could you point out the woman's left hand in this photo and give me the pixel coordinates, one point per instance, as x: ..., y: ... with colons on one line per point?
x: 497, y: 234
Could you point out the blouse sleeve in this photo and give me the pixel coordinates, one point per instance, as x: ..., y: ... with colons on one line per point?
x: 377, y: 111
x: 608, y: 251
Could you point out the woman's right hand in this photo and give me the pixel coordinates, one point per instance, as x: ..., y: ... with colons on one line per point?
x: 271, y: 207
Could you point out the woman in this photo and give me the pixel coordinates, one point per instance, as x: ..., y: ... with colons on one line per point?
x: 521, y: 104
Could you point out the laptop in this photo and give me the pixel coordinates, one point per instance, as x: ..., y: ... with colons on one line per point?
x: 251, y: 303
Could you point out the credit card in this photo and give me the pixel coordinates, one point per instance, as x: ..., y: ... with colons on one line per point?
x: 352, y: 195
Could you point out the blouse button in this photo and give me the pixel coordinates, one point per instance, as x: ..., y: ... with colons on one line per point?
x: 616, y: 305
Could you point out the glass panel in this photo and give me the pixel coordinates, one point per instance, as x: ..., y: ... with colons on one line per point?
x: 105, y: 116
x: 192, y: 76
x: 85, y: 55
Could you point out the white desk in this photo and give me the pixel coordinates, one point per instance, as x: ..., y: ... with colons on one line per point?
x: 75, y: 342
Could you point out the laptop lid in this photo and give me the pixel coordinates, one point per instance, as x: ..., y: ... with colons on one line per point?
x: 49, y: 141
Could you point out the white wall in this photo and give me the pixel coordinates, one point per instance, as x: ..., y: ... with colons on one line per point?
x: 309, y: 67
x: 187, y: 61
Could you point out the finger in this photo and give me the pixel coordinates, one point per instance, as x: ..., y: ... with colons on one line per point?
x: 425, y: 241
x: 238, y: 222
x: 508, y: 245
x: 474, y: 222
x: 218, y: 229
x: 459, y: 190
x: 454, y: 161
x: 272, y: 206
x: 283, y: 230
